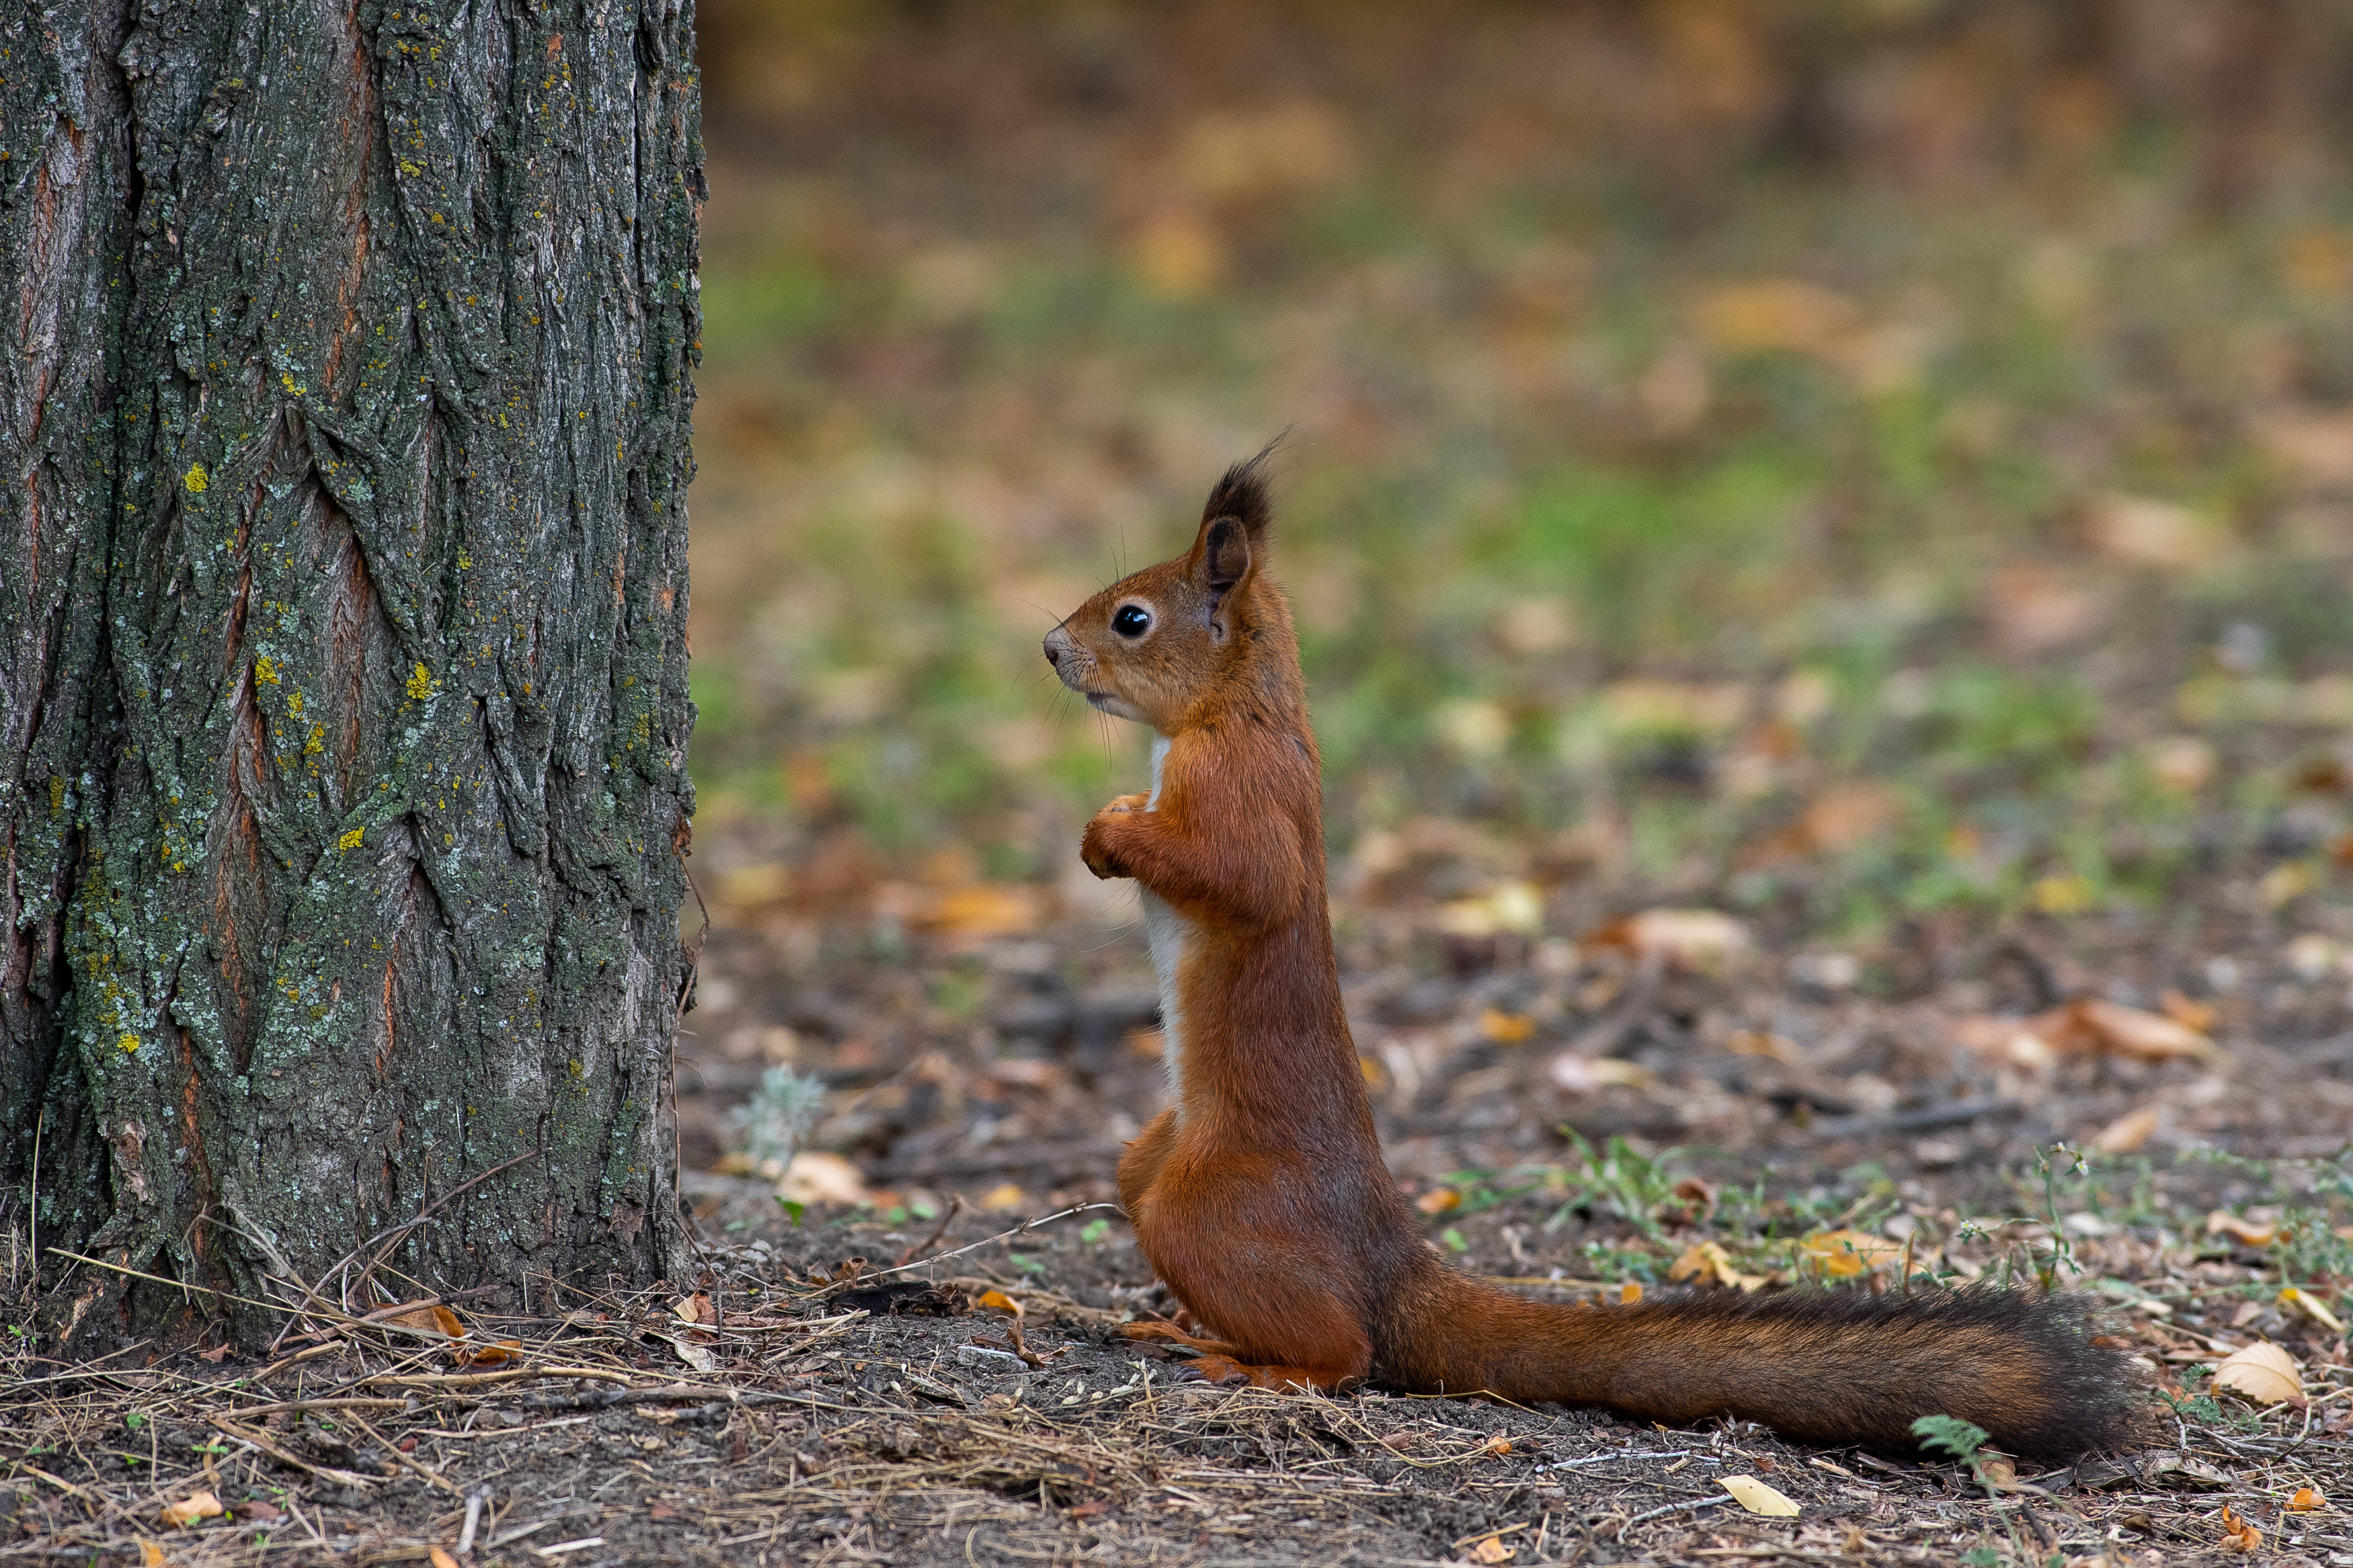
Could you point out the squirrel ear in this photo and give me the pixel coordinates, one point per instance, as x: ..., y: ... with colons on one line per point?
x: 1222, y: 558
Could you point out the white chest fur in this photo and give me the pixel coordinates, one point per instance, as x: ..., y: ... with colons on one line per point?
x: 1170, y: 935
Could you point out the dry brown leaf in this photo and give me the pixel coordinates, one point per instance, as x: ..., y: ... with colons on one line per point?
x: 1764, y: 1043
x: 2095, y: 1026
x: 151, y: 1554
x: 1505, y: 1028
x: 2316, y: 448
x: 985, y: 909
x: 2240, y: 1534
x: 1629, y: 1292
x: 2262, y: 1372
x: 1003, y: 1196
x: 695, y: 1308
x: 2195, y: 1016
x: 1702, y: 940
x: 817, y: 1177
x: 2306, y: 1500
x: 496, y: 1353
x: 2250, y: 1230
x: 998, y: 1301
x: 2142, y: 530
x: 1584, y: 1075
x: 1707, y: 1263
x: 1491, y: 1549
x: 422, y: 1317
x: 1438, y: 1200
x: 1757, y: 1498
x: 215, y: 1355
x: 1768, y: 313
x: 2312, y: 1306
x: 1846, y: 1254
x: 2127, y: 1133
x: 1499, y: 1445
x: 1516, y: 908
x: 438, y: 1558
x: 193, y: 1507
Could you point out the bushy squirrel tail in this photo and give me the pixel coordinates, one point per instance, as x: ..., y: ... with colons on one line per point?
x: 1834, y: 1367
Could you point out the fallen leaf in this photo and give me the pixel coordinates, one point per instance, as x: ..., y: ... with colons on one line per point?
x: 2315, y: 446
x: 687, y: 1351
x: 1438, y: 1200
x: 191, y: 1507
x: 1757, y: 1498
x: 1002, y: 1196
x: 2240, y: 1534
x: 1629, y: 1292
x: 1499, y: 1445
x: 1768, y: 313
x: 2127, y: 1133
x: 2306, y: 1500
x: 2312, y: 1306
x: 2262, y: 1372
x: 2182, y: 763
x: 1505, y: 1028
x: 421, y: 1317
x: 2196, y: 1016
x: 1707, y: 1263
x: 2096, y: 1026
x: 1491, y: 1549
x: 438, y: 1558
x: 496, y: 1352
x: 215, y: 1355
x: 998, y: 1301
x: 1702, y: 940
x: 2142, y: 530
x: 1843, y: 819
x: 1510, y: 907
x: 255, y: 1510
x: 2283, y: 883
x: 1583, y: 1075
x: 2252, y: 1232
x: 695, y: 1308
x: 1995, y: 1471
x: 150, y: 1555
x: 985, y: 909
x: 1846, y: 1254
x: 817, y: 1177
x: 1765, y: 1043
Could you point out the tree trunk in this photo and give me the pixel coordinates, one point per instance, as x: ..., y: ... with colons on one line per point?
x: 343, y: 586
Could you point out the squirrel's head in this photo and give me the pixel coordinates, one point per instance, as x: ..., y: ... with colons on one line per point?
x: 1155, y: 644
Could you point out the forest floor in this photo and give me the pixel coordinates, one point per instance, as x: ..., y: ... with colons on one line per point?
x: 933, y: 1373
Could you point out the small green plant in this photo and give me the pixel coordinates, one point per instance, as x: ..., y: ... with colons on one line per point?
x: 1962, y: 1440
x: 1630, y: 1184
x: 777, y: 1116
x: 1454, y: 1240
x: 1093, y: 1231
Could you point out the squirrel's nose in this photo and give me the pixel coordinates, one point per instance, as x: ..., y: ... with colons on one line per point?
x: 1057, y: 642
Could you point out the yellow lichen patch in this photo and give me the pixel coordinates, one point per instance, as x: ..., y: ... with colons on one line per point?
x: 197, y: 480
x: 351, y: 839
x: 265, y: 670
x: 130, y: 1043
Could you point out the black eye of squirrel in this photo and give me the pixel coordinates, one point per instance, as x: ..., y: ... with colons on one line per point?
x: 1132, y: 621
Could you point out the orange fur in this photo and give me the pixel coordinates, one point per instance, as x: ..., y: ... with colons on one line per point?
x: 1259, y: 1195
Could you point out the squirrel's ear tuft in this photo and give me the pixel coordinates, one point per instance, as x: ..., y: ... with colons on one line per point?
x: 1241, y: 494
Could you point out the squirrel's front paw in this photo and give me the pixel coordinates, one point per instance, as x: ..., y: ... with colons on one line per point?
x: 1123, y: 804
x: 1096, y: 851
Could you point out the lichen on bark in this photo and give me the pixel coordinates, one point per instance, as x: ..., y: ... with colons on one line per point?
x: 344, y: 761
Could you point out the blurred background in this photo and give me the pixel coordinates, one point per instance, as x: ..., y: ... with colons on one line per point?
x: 1881, y: 469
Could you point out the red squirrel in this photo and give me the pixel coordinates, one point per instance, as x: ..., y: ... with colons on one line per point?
x: 1259, y: 1195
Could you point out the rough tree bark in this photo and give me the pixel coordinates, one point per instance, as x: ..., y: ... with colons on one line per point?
x: 343, y: 591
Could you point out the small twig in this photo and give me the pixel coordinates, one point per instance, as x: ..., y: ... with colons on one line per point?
x: 955, y: 1208
x: 392, y: 1450
x: 175, y: 1284
x: 1672, y: 1507
x: 1025, y: 1226
x: 326, y: 1472
x: 475, y: 1498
